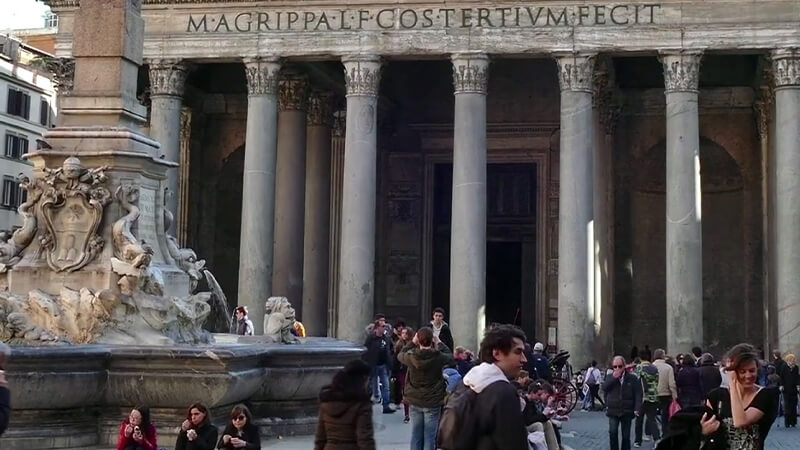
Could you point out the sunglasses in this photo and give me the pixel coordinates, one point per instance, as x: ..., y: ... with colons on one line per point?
x: 240, y: 418
x: 617, y: 367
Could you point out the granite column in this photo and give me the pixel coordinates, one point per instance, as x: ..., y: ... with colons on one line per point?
x: 287, y: 270
x: 576, y: 307
x: 786, y: 69
x: 167, y: 82
x: 258, y: 191
x: 317, y: 215
x: 468, y: 224
x: 359, y: 190
x: 684, y: 212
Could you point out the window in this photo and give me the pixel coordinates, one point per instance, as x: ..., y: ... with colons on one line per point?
x: 50, y: 20
x: 16, y: 145
x: 10, y: 192
x: 19, y: 103
x: 44, y: 112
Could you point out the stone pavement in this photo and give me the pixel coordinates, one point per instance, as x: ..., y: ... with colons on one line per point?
x: 585, y: 431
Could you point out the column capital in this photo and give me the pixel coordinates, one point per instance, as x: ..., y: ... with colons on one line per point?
x: 262, y: 75
x: 575, y: 71
x: 167, y: 77
x: 293, y: 93
x: 681, y: 70
x: 362, y: 75
x: 63, y: 71
x: 320, y: 109
x: 786, y: 67
x: 470, y: 73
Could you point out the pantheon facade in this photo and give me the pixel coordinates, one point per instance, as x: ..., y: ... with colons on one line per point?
x: 603, y: 174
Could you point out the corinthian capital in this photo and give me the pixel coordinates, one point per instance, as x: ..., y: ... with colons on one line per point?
x: 320, y: 109
x: 262, y: 75
x: 575, y: 71
x: 167, y: 77
x: 292, y: 93
x: 786, y: 67
x: 470, y: 73
x: 681, y: 70
x: 362, y: 75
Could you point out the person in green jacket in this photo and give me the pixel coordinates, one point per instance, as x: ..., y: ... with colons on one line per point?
x: 426, y: 357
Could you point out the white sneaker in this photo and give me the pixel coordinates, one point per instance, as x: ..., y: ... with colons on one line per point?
x: 637, y: 445
x: 646, y: 438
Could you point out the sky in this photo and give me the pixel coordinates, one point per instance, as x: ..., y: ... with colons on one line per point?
x: 16, y: 14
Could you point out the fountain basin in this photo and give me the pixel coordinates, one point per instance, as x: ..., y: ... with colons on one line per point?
x: 74, y: 397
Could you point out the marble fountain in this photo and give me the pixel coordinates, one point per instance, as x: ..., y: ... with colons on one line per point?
x: 100, y: 304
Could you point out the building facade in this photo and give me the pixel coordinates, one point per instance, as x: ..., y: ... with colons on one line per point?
x: 27, y: 109
x: 603, y: 174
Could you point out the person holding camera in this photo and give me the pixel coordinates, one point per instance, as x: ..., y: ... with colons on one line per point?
x: 136, y: 432
x: 197, y: 432
x: 5, y: 394
x: 240, y: 432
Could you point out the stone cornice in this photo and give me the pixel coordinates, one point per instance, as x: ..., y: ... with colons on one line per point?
x: 786, y: 67
x: 362, y: 75
x: 262, y: 75
x: 681, y: 70
x: 167, y: 77
x: 470, y: 73
x: 293, y: 93
x: 320, y: 109
x: 575, y: 71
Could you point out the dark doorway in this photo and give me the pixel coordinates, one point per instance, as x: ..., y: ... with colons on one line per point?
x: 503, y: 282
x: 511, y: 225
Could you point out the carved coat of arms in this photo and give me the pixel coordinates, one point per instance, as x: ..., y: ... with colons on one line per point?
x: 72, y: 206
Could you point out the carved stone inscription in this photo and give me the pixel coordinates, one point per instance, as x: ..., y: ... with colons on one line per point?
x: 511, y: 16
x: 147, y: 221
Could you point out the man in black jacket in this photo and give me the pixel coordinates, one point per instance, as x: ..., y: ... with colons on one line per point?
x: 623, y: 393
x: 5, y: 395
x: 379, y: 357
x: 500, y: 425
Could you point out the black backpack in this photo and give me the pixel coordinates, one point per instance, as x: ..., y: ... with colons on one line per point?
x: 458, y: 425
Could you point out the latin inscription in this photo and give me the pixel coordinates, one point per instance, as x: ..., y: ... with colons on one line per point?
x: 518, y: 16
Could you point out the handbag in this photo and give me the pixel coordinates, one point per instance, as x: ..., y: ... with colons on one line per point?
x: 674, y: 407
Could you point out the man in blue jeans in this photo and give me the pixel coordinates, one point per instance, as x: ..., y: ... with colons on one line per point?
x: 623, y: 392
x: 426, y: 357
x: 379, y: 358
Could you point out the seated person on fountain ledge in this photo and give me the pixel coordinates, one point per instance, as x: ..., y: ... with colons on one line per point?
x: 136, y: 432
x: 197, y: 432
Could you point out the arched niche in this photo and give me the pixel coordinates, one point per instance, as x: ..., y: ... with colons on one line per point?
x: 724, y: 265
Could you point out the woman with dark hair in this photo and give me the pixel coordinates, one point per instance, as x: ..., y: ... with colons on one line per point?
x: 744, y: 412
x: 689, y: 383
x: 197, y: 432
x: 240, y: 432
x: 345, y: 411
x: 136, y: 432
x: 401, y: 370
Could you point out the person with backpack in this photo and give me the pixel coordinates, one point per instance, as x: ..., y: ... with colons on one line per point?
x: 426, y: 357
x: 539, y: 365
x: 485, y: 412
x: 648, y: 375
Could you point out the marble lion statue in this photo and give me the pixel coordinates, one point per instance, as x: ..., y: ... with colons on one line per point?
x: 279, y: 320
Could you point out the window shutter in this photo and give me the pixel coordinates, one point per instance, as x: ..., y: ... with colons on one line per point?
x: 12, y: 95
x: 23, y: 146
x: 26, y: 106
x: 9, y: 145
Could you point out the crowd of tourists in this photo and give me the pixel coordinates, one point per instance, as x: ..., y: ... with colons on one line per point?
x: 693, y: 399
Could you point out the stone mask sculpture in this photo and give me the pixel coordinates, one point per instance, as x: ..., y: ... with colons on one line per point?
x: 279, y: 321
